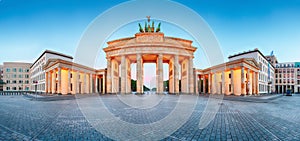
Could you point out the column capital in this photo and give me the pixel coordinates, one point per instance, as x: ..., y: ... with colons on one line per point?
x: 160, y: 55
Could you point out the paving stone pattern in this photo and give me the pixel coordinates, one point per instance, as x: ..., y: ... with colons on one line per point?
x: 22, y: 118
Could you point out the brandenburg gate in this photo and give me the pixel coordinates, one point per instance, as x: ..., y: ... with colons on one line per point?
x: 150, y: 46
x: 237, y: 77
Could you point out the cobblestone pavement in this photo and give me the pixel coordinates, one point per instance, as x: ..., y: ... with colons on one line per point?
x: 22, y: 118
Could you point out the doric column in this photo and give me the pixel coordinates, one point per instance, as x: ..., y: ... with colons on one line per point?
x: 253, y: 82
x: 171, y: 76
x: 223, y: 83
x: 256, y: 83
x: 160, y: 86
x: 53, y: 83
x: 209, y: 83
x: 176, y: 74
x: 91, y: 83
x: 59, y: 81
x: 204, y: 84
x: 191, y: 76
x: 75, y: 81
x: 232, y: 81
x: 248, y: 84
x: 123, y: 74
x: 46, y: 82
x: 69, y: 82
x: 84, y: 83
x: 109, y: 76
x: 104, y: 84
x: 196, y: 79
x: 96, y: 83
x: 215, y: 84
x: 139, y: 73
x: 49, y: 81
x: 243, y: 90
x: 128, y: 76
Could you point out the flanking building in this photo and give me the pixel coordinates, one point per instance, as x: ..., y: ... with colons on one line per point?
x: 237, y: 77
x: 1, y: 78
x: 66, y: 77
x: 287, y: 77
x: 266, y: 76
x: 16, y: 75
x: 38, y: 75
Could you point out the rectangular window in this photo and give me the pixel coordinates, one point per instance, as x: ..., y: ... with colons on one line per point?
x: 20, y: 81
x: 229, y: 87
x: 229, y: 75
x: 71, y: 75
x: 7, y: 81
x: 14, y: 88
x: 14, y: 70
x: 20, y: 76
x: 14, y: 81
x: 7, y: 70
x: 20, y: 70
x: 7, y: 88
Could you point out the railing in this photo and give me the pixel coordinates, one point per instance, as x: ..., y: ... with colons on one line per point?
x: 17, y: 92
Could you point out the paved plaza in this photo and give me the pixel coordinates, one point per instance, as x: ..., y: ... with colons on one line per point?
x: 26, y: 118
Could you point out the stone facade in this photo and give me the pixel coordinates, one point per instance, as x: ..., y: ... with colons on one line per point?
x: 150, y: 48
x: 66, y: 77
x: 238, y: 77
x: 16, y: 75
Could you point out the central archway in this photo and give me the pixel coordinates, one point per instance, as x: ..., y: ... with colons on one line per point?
x: 150, y: 47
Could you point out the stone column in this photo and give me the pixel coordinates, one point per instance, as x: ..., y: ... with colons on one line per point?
x: 69, y: 81
x: 253, y: 82
x: 49, y: 82
x: 248, y: 84
x: 176, y: 74
x: 128, y: 79
x: 96, y: 83
x: 196, y: 79
x: 160, y: 78
x: 204, y: 84
x: 77, y: 81
x: 209, y: 83
x: 59, y: 81
x: 191, y: 76
x: 243, y: 89
x: 104, y: 84
x: 215, y: 84
x: 46, y: 82
x: 256, y: 83
x: 171, y: 76
x: 200, y: 84
x: 232, y: 81
x: 223, y: 83
x: 84, y: 83
x: 123, y: 74
x: 53, y: 87
x: 91, y: 83
x: 109, y: 76
x: 139, y: 73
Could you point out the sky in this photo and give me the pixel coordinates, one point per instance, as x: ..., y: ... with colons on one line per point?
x: 28, y: 27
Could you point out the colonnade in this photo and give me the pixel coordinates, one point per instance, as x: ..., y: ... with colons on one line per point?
x: 62, y: 80
x: 185, y: 65
x: 235, y: 81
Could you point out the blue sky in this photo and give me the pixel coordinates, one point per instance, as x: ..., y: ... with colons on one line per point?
x: 28, y: 27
